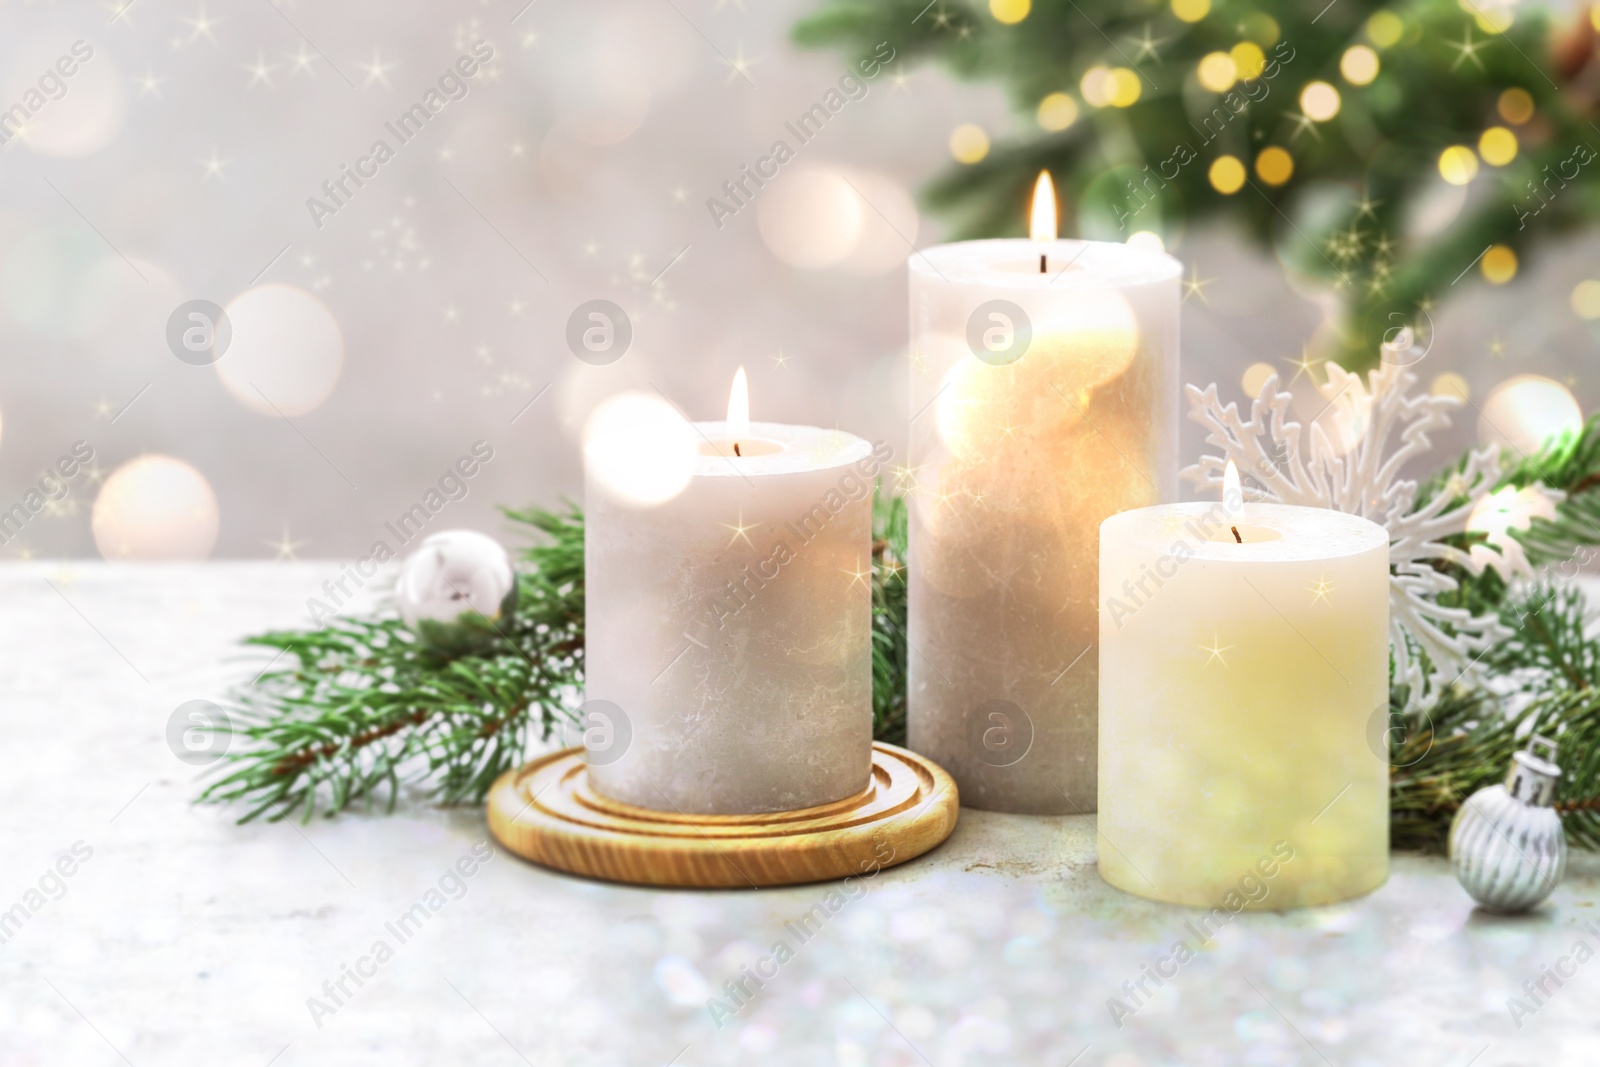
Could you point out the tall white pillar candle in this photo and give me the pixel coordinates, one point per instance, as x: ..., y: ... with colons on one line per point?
x: 728, y: 658
x: 1042, y: 402
x: 1241, y: 681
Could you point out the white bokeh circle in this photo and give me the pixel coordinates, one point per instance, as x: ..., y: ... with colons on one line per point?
x: 1526, y: 411
x: 87, y: 114
x: 287, y: 350
x: 155, y: 507
x: 811, y: 218
x: 638, y: 449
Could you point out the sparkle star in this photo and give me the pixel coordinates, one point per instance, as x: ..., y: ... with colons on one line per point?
x: 149, y: 84
x: 284, y: 546
x: 780, y: 359
x: 1320, y: 589
x: 1467, y: 49
x: 1146, y: 47
x: 202, y: 25
x: 102, y: 407
x: 1194, y: 285
x: 739, y: 66
x: 260, y: 71
x: 741, y: 532
x: 376, y: 71
x: 301, y: 61
x: 1303, y: 365
x: 859, y: 575
x: 1215, y: 650
x: 213, y: 167
x: 1302, y: 123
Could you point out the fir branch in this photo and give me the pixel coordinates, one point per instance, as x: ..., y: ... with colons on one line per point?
x: 889, y: 642
x: 360, y: 708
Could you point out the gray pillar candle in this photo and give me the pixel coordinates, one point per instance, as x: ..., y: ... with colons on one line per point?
x: 728, y: 614
x: 1043, y: 403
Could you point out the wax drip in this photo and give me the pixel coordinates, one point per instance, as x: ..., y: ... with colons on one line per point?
x: 1236, y: 536
x: 741, y: 454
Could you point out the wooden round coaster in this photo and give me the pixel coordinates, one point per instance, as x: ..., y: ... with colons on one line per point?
x: 547, y: 812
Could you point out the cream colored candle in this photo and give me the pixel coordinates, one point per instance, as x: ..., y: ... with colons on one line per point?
x: 728, y: 653
x: 1042, y: 402
x: 1240, y: 687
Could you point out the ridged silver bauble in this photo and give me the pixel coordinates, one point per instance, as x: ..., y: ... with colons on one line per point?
x: 457, y: 591
x: 1506, y: 843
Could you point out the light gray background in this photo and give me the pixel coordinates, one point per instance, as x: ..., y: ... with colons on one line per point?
x: 208, y: 135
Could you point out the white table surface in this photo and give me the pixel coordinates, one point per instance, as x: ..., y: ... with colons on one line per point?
x: 186, y: 939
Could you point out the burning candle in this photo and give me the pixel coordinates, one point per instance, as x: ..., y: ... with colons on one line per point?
x: 1244, y: 697
x: 728, y: 660
x: 1044, y: 384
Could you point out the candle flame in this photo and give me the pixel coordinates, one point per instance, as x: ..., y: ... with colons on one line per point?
x: 1042, y: 225
x: 1232, y: 492
x: 739, y: 406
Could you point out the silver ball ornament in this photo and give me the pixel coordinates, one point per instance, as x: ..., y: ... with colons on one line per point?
x: 1506, y: 844
x: 457, y: 591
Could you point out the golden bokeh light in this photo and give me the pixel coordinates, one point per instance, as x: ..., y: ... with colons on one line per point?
x: 1319, y: 101
x: 969, y: 143
x: 1057, y: 111
x: 1010, y: 12
x: 1499, y: 265
x: 1384, y: 29
x: 1515, y: 105
x: 1274, y: 165
x: 1226, y: 175
x: 1217, y: 72
x: 1458, y: 165
x: 1359, y: 65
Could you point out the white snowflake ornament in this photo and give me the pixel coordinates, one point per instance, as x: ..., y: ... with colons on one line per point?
x: 1353, y: 464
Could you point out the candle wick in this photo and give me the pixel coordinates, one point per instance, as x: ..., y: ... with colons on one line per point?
x: 1041, y: 262
x: 736, y: 450
x: 1236, y: 536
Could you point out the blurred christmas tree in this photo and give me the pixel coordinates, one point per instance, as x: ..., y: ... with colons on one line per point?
x: 1386, y: 150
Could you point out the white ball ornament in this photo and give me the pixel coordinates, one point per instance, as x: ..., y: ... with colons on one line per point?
x: 457, y: 592
x: 1507, y: 845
